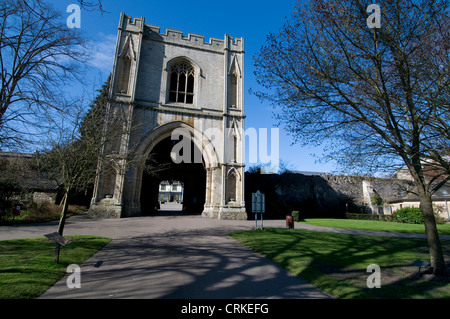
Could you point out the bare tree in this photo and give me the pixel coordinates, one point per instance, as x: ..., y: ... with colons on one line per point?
x: 377, y: 98
x: 73, y: 154
x: 92, y: 5
x: 76, y: 135
x: 39, y: 55
x: 86, y: 141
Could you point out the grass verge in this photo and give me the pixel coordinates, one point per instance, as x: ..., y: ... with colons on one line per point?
x: 27, y: 267
x: 376, y: 225
x: 337, y: 263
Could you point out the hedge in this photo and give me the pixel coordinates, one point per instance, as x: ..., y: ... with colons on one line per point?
x: 386, y: 218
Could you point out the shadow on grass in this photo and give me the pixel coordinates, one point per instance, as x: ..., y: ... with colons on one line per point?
x: 337, y: 263
x: 27, y: 266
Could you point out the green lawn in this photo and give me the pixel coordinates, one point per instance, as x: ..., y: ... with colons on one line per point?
x: 27, y: 267
x: 376, y: 225
x: 337, y: 263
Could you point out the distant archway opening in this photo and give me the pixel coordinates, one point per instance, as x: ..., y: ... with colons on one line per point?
x: 160, y: 168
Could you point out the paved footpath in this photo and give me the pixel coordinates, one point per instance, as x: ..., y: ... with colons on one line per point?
x: 171, y: 257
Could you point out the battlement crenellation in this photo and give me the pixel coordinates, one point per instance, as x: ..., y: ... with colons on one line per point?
x: 174, y: 36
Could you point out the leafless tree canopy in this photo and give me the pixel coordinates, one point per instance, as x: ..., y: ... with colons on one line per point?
x: 375, y: 97
x: 92, y: 5
x: 378, y: 98
x: 39, y: 55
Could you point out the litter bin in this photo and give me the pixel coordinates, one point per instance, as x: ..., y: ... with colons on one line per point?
x: 16, y: 210
x: 289, y: 221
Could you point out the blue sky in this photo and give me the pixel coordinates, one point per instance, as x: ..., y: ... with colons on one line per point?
x: 250, y: 19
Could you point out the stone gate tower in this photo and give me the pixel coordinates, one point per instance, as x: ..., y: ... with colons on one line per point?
x: 166, y: 83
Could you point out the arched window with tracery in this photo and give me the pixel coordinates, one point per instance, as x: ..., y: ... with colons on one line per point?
x: 182, y: 83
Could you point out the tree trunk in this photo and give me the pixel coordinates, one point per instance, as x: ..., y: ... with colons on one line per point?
x: 62, y: 219
x: 57, y: 249
x: 434, y: 243
x: 62, y: 222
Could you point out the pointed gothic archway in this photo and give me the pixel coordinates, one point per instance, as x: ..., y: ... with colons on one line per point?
x: 160, y: 167
x: 158, y: 144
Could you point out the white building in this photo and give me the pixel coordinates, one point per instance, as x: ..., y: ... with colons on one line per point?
x: 441, y: 202
x: 171, y: 191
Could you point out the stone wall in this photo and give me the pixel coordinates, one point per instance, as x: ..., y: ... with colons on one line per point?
x: 320, y: 195
x: 352, y: 186
x: 44, y: 197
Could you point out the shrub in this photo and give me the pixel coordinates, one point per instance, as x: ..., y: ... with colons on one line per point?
x: 376, y: 200
x: 10, y: 192
x: 438, y: 211
x: 409, y: 215
x: 296, y: 216
x: 43, y: 211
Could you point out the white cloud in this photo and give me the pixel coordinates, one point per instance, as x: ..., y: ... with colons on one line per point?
x: 102, y: 51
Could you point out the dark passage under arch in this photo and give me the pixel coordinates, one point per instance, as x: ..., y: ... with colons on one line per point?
x: 161, y: 167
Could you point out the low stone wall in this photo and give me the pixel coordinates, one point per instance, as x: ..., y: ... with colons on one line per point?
x: 44, y: 197
x: 106, y: 208
x: 321, y: 195
x: 354, y: 187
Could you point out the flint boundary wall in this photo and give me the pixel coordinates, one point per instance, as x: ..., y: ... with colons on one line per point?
x: 321, y: 195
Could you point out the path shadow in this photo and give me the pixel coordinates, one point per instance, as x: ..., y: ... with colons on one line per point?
x: 194, y: 264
